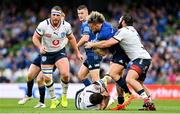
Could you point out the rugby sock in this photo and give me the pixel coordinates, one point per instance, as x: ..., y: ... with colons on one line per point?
x: 64, y: 87
x: 86, y: 82
x: 29, y: 88
x: 149, y: 97
x: 120, y: 99
x: 143, y: 94
x: 121, y: 82
x: 42, y: 90
x: 51, y: 91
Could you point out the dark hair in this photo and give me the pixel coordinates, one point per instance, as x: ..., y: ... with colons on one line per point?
x: 82, y: 7
x: 96, y: 98
x: 128, y: 19
x: 58, y: 8
x: 96, y: 17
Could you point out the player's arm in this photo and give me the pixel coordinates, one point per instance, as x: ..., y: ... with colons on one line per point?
x: 73, y: 43
x: 37, y: 42
x: 83, y: 40
x: 102, y: 44
x: 85, y: 35
x: 119, y: 35
x: 101, y: 52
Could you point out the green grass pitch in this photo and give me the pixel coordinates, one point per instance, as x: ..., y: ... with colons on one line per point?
x: 11, y: 106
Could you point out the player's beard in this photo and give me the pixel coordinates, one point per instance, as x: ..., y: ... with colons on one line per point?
x: 120, y: 25
x: 56, y: 22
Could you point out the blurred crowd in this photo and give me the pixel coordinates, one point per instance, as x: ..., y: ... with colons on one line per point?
x: 157, y: 24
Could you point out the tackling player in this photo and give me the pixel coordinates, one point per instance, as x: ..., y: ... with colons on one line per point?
x: 119, y: 61
x: 128, y: 38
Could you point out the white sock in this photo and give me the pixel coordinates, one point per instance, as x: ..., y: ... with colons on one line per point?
x: 52, y: 92
x: 64, y: 87
x: 144, y: 95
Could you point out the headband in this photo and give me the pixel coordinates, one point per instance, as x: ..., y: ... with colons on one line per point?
x: 56, y: 12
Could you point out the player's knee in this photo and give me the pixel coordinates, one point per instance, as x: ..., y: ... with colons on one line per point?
x: 49, y: 82
x: 65, y: 76
x: 47, y: 74
x: 31, y: 75
x: 40, y: 81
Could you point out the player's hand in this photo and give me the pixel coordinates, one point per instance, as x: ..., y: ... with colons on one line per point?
x: 42, y: 49
x: 100, y: 51
x: 88, y: 45
x: 80, y: 56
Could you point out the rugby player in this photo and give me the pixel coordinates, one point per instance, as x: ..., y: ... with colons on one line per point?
x: 51, y: 37
x: 119, y: 61
x: 128, y: 38
x: 91, y: 64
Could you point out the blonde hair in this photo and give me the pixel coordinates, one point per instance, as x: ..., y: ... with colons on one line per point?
x: 96, y: 17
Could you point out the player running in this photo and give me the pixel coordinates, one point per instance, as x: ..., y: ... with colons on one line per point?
x: 33, y: 72
x: 50, y: 37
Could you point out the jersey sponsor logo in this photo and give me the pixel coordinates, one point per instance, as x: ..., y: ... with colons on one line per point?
x: 120, y: 61
x: 86, y: 29
x: 55, y: 44
x: 96, y: 65
x: 56, y: 33
x: 140, y: 62
x: 63, y: 34
x: 44, y: 58
x: 48, y: 35
x: 90, y: 66
x: 63, y: 54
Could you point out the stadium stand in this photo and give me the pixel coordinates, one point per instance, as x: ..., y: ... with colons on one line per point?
x: 157, y: 22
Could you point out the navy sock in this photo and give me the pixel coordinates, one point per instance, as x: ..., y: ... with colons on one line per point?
x: 42, y: 90
x: 86, y: 82
x: 29, y: 88
x: 122, y: 83
x: 120, y: 99
x: 141, y: 91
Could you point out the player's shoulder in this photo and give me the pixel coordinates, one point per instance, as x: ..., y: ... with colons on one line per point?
x: 44, y: 23
x: 127, y: 28
x: 122, y: 30
x: 65, y: 23
x: 108, y: 29
x: 85, y: 24
x: 108, y: 26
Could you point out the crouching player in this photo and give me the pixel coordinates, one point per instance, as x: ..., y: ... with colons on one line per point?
x: 94, y: 96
